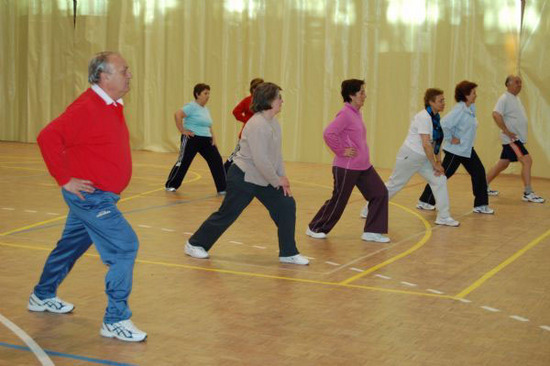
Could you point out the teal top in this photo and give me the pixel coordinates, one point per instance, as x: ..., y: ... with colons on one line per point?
x: 197, y: 119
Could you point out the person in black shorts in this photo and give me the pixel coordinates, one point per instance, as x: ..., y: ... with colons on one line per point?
x: 511, y: 118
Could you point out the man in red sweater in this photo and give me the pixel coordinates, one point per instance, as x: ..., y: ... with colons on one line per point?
x: 87, y: 151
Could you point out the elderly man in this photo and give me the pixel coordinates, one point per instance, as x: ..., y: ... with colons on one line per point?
x: 87, y: 151
x: 510, y: 117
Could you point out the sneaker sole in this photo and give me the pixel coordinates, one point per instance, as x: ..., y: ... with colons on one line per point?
x: 38, y: 308
x: 316, y: 237
x: 484, y: 213
x: 526, y: 200
x: 107, y: 334
x: 443, y: 224
x: 376, y: 241
x: 289, y: 262
x: 192, y: 256
x: 425, y: 209
x: 187, y: 250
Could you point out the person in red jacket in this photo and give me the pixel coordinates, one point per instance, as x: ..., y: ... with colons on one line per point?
x: 242, y: 113
x: 87, y: 151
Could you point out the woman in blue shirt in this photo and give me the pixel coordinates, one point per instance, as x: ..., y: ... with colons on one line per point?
x: 459, y: 128
x: 195, y: 125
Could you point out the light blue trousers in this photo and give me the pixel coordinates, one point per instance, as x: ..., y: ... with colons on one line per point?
x: 95, y: 220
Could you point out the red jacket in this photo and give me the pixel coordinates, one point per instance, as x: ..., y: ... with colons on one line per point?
x: 89, y: 141
x: 242, y: 112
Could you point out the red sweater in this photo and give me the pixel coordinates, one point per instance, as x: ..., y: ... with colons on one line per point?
x: 89, y: 141
x: 242, y: 112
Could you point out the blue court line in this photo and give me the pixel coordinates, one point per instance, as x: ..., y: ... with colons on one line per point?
x: 67, y: 355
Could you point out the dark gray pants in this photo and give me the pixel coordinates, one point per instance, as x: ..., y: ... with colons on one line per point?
x: 239, y: 195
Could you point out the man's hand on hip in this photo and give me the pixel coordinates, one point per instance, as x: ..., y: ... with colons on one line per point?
x: 76, y: 186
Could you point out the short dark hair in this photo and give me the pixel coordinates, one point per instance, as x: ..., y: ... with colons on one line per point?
x: 350, y: 87
x: 199, y: 89
x: 463, y: 89
x: 508, y: 79
x: 430, y: 95
x: 254, y: 83
x: 264, y: 95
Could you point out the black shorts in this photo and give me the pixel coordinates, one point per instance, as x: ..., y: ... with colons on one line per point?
x: 509, y: 154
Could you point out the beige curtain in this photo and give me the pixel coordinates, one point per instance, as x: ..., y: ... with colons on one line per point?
x: 400, y: 47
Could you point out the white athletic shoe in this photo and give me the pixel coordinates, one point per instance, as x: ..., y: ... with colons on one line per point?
x: 169, y: 189
x: 532, y: 197
x: 447, y: 221
x: 124, y: 330
x: 295, y: 259
x: 364, y: 212
x: 195, y: 251
x: 492, y: 192
x: 379, y: 238
x: 425, y: 206
x: 53, y: 305
x: 315, y: 235
x: 485, y: 209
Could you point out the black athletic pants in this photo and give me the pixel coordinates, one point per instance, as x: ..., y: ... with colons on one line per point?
x: 473, y: 166
x: 190, y: 146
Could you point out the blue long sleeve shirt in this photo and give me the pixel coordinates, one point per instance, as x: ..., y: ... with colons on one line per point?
x: 461, y: 123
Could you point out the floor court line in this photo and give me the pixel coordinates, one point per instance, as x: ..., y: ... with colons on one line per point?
x: 418, y: 245
x: 68, y: 355
x: 36, y: 227
x: 253, y: 274
x: 65, y: 216
x: 31, y: 344
x: 502, y: 265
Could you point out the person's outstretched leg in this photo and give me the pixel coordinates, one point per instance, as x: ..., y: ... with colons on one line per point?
x: 332, y: 210
x: 188, y: 150
x: 212, y: 156
x: 375, y: 192
x: 239, y: 195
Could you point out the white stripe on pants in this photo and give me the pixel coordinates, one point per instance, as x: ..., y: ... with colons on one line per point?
x: 407, y: 164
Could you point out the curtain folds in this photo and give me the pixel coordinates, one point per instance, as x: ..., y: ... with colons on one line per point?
x: 400, y: 47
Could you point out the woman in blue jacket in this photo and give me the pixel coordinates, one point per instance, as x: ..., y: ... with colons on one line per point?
x: 459, y: 129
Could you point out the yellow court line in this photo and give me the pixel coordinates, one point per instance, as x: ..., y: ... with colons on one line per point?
x: 20, y: 168
x: 418, y: 245
x: 415, y: 247
x: 501, y: 266
x: 253, y: 274
x: 198, y: 176
x: 33, y: 225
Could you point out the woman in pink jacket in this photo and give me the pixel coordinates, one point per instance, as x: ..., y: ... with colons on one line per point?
x: 347, y: 138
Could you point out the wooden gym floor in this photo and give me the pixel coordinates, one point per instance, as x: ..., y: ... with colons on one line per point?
x: 474, y: 295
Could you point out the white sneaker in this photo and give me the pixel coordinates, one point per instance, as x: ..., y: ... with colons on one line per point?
x: 124, y: 330
x: 425, y: 206
x: 379, y: 238
x: 447, y: 221
x: 53, y: 305
x: 222, y: 193
x: 295, y: 259
x: 492, y: 192
x: 485, y: 209
x: 364, y: 212
x: 195, y: 251
x: 315, y: 235
x: 532, y: 197
x: 169, y: 189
